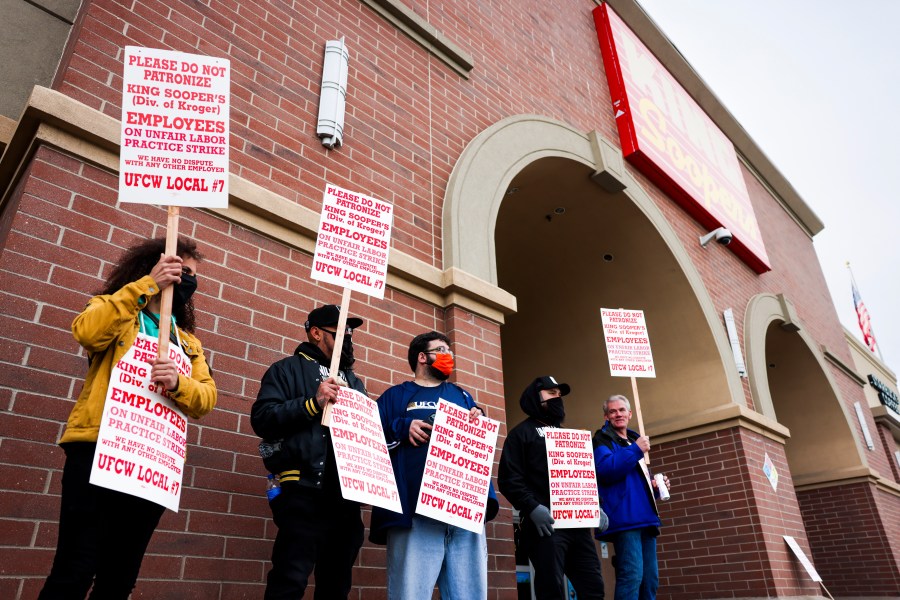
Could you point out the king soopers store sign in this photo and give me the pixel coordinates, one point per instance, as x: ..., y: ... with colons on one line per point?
x: 668, y: 137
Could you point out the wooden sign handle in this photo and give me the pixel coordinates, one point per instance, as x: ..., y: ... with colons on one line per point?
x: 336, y: 352
x: 165, y: 309
x: 637, y: 411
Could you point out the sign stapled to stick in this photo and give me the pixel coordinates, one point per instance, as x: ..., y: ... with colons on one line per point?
x: 175, y: 128
x: 574, y: 500
x: 627, y: 343
x: 352, y: 247
x: 353, y: 241
x: 174, y: 152
x: 629, y: 353
x: 457, y: 472
x: 360, y: 451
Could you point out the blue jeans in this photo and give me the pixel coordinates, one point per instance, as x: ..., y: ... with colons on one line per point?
x: 433, y: 552
x: 637, y: 574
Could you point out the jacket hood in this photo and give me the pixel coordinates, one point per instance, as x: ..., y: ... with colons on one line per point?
x: 313, y: 352
x: 531, y: 400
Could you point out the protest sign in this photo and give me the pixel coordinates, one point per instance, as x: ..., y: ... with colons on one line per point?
x: 627, y: 343
x: 457, y: 473
x: 363, y: 462
x: 801, y: 556
x: 628, y: 351
x: 352, y: 247
x: 175, y: 128
x: 143, y: 434
x: 574, y: 501
x: 353, y: 241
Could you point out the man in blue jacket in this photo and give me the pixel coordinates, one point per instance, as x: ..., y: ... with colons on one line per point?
x: 422, y: 551
x: 629, y: 499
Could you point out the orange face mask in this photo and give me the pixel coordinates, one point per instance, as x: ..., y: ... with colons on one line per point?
x: 443, y: 363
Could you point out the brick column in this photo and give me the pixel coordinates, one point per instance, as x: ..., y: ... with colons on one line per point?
x: 479, y: 369
x: 850, y: 529
x: 722, y: 529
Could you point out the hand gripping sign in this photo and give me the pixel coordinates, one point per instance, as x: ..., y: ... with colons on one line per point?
x: 364, y: 465
x: 174, y: 140
x: 457, y: 473
x: 574, y: 501
x: 352, y: 248
x: 173, y: 151
x: 143, y: 435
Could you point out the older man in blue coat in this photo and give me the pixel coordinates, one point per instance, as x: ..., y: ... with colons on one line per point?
x: 629, y: 499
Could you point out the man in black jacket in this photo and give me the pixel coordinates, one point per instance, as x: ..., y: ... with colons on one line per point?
x: 525, y: 481
x: 317, y: 528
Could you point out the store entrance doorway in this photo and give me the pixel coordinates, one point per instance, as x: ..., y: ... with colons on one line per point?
x: 566, y: 248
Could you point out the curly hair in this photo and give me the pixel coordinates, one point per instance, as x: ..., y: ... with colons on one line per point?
x: 140, y: 259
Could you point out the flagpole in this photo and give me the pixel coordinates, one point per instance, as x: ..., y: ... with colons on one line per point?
x: 855, y: 308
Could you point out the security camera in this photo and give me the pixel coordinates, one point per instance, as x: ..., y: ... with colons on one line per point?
x: 721, y: 235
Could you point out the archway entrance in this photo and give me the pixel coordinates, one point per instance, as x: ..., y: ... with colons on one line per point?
x: 821, y: 443
x: 608, y: 248
x: 791, y: 382
x: 565, y: 248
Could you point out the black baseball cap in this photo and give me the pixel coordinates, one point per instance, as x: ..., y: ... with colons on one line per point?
x: 547, y: 382
x: 328, y: 316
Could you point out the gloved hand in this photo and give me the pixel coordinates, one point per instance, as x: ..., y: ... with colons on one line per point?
x: 604, y: 521
x: 542, y: 520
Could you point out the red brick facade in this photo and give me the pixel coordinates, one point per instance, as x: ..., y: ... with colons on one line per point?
x: 839, y: 523
x: 725, y: 538
x: 409, y: 119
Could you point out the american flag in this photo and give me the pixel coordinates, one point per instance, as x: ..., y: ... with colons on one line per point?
x: 862, y: 315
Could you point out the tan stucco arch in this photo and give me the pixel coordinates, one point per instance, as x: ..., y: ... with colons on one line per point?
x: 482, y: 175
x: 839, y: 436
x: 761, y: 311
x: 478, y: 186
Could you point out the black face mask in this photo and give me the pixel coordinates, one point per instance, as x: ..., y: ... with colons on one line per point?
x: 555, y: 409
x: 347, y: 358
x: 183, y: 291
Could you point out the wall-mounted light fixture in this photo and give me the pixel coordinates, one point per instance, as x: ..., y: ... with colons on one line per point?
x: 333, y: 97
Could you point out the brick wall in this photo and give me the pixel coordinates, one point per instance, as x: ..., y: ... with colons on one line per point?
x: 253, y: 297
x: 723, y: 527
x: 889, y: 510
x: 408, y: 114
x: 409, y: 118
x: 851, y: 542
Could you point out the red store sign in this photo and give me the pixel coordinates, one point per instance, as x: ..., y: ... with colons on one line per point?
x: 671, y: 140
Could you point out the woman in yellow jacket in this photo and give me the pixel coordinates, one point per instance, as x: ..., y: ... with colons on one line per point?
x: 103, y: 534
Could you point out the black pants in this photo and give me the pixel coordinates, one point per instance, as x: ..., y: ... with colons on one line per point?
x: 103, y: 535
x: 567, y: 553
x: 316, y: 532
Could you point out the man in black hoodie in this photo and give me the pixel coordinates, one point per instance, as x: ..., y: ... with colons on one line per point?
x: 317, y: 528
x: 525, y: 481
